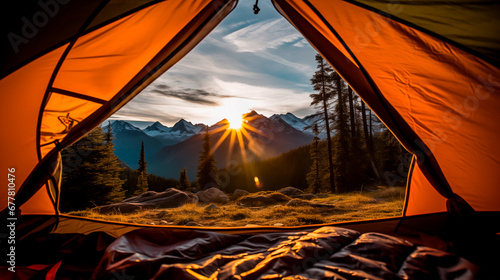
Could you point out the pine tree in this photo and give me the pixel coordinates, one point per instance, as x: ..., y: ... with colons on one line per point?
x: 113, y: 167
x: 342, y: 137
x: 92, y: 172
x: 316, y: 175
x: 322, y: 83
x: 184, y: 183
x: 143, y: 165
x: 352, y: 112
x: 368, y: 142
x: 207, y: 168
x: 142, y: 180
x: 358, y: 172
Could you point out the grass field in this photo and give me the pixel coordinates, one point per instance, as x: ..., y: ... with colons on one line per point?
x: 378, y: 203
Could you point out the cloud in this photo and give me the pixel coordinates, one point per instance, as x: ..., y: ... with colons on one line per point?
x: 248, y: 62
x: 259, y: 36
x: 268, y: 100
x: 198, y: 96
x: 302, y: 43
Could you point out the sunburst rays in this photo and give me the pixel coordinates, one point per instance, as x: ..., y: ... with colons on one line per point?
x: 237, y: 133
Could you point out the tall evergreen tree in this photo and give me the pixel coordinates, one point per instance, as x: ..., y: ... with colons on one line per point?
x: 93, y: 173
x: 109, y: 134
x: 368, y: 142
x: 358, y: 170
x: 352, y: 112
x: 184, y: 183
x: 143, y: 165
x: 394, y: 159
x: 322, y: 83
x: 114, y: 168
x: 342, y: 137
x: 207, y: 168
x: 142, y: 180
x: 317, y: 172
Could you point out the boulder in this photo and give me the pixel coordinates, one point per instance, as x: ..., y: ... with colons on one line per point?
x: 212, y: 195
x: 278, y: 225
x: 143, y: 196
x: 212, y: 206
x: 239, y: 193
x: 290, y: 191
x: 170, y: 198
x: 124, y: 207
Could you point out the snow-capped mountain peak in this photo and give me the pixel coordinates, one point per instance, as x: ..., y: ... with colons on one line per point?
x: 119, y: 125
x: 156, y: 129
x: 183, y: 126
x: 181, y: 131
x: 157, y: 126
x: 293, y: 121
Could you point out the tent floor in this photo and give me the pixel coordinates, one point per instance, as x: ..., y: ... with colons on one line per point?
x: 73, y: 246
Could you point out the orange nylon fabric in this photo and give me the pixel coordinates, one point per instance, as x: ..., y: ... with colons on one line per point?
x: 39, y: 204
x: 103, y: 61
x: 321, y: 28
x: 60, y: 115
x: 22, y: 93
x: 445, y: 94
x: 98, y: 66
x: 423, y: 198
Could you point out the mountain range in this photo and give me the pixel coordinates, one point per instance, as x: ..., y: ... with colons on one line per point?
x: 169, y: 149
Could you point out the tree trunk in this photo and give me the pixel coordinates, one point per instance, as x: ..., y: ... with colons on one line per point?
x: 316, y: 144
x: 328, y: 136
x: 371, y: 132
x: 351, y: 112
x: 369, y: 147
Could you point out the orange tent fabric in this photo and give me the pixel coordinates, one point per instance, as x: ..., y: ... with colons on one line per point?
x: 62, y: 77
x: 436, y: 95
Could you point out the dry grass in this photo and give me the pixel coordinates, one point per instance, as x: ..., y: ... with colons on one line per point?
x: 369, y: 204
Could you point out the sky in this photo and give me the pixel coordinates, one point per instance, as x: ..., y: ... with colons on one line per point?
x: 248, y: 62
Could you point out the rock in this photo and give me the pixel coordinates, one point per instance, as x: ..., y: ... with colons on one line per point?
x: 251, y: 225
x: 152, y: 223
x: 278, y: 225
x: 300, y: 202
x: 163, y: 222
x: 212, y: 206
x: 239, y: 193
x: 290, y: 191
x: 193, y: 224
x: 263, y: 199
x: 123, y: 208
x: 212, y: 195
x: 306, y: 196
x: 142, y: 197
x: 170, y: 198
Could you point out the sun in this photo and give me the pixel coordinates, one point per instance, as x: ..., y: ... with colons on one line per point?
x: 235, y: 121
